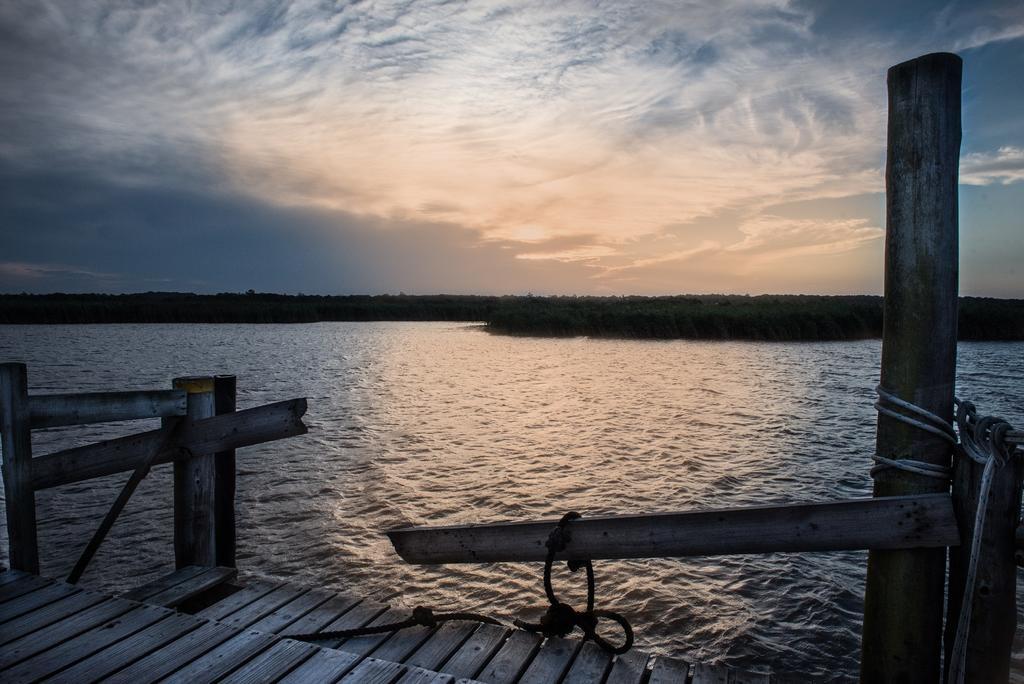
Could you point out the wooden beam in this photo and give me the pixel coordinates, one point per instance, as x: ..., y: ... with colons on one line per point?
x: 220, y: 433
x: 55, y: 410
x: 16, y: 443
x: 224, y: 400
x: 888, y: 523
x: 902, y: 630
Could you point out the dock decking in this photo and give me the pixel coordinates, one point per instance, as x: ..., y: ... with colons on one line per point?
x: 56, y: 632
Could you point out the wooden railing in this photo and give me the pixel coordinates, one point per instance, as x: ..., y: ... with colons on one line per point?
x: 200, y: 431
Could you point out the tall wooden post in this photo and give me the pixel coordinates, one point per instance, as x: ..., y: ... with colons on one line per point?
x: 902, y: 637
x: 225, y: 393
x: 16, y: 436
x: 194, y: 518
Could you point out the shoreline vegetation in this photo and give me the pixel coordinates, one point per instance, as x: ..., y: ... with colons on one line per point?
x: 717, y: 317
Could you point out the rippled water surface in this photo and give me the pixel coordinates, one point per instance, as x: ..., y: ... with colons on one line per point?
x: 439, y: 423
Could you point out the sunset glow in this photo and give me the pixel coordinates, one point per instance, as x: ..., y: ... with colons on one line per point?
x: 580, y: 147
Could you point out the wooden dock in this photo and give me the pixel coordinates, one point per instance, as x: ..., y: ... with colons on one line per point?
x: 193, y: 626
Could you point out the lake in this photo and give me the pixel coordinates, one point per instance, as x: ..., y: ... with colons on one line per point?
x: 441, y: 423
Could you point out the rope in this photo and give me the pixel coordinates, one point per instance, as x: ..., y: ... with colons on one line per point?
x: 983, y: 440
x: 420, y: 616
x: 889, y: 404
x: 560, y: 618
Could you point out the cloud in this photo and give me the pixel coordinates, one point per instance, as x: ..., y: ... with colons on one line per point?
x: 1005, y: 165
x: 540, y: 135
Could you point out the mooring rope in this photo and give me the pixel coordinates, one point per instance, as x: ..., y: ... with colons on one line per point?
x: 983, y: 440
x: 559, y: 620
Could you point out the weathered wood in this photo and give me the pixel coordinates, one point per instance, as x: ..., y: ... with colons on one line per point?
x: 362, y: 614
x: 120, y: 502
x: 402, y: 643
x: 224, y: 402
x: 23, y: 586
x: 512, y: 658
x: 364, y: 645
x: 551, y: 662
x: 220, y: 433
x: 373, y: 671
x: 111, y: 659
x: 173, y: 656
x: 419, y: 675
x: 902, y: 631
x: 323, y: 666
x: 163, y: 583
x: 263, y: 606
x: 16, y: 445
x: 194, y: 531
x: 894, y: 522
x: 9, y: 575
x: 55, y: 410
x: 994, y: 600
x: 441, y: 645
x: 321, y: 616
x: 705, y: 673
x: 223, y: 658
x: 474, y: 654
x: 84, y: 645
x: 172, y: 597
x: 669, y: 671
x: 283, y: 616
x: 271, y: 664
x: 629, y: 668
x: 47, y: 615
x: 34, y: 600
x: 235, y: 602
x: 590, y: 665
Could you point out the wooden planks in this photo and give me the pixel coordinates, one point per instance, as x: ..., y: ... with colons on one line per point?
x: 272, y: 663
x: 194, y: 518
x: 364, y: 645
x: 511, y: 659
x: 22, y: 585
x: 629, y: 668
x: 263, y: 606
x: 373, y: 671
x: 47, y: 615
x: 361, y: 614
x: 441, y: 645
x: 589, y: 666
x: 551, y: 662
x: 321, y: 616
x: 669, y: 671
x: 34, y: 600
x: 196, y: 584
x: 322, y: 666
x: 126, y: 651
x: 70, y: 650
x: 174, y: 655
x: 280, y: 618
x: 897, y: 522
x: 55, y: 410
x: 64, y: 629
x: 238, y: 600
x: 219, y: 433
x: 222, y: 659
x: 470, y: 658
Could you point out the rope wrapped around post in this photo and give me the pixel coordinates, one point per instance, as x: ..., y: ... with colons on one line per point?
x: 984, y: 441
x: 561, y: 618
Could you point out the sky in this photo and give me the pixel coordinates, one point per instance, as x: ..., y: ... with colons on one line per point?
x: 427, y: 146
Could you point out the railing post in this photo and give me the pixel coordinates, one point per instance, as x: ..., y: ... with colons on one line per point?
x: 16, y: 435
x: 902, y: 632
x: 194, y: 518
x: 225, y: 393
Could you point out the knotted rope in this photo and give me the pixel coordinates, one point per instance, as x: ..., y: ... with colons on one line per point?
x: 984, y: 441
x: 561, y: 618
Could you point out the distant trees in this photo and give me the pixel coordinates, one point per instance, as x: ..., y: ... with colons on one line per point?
x: 767, y: 317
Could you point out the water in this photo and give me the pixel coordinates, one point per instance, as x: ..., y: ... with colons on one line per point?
x: 440, y: 423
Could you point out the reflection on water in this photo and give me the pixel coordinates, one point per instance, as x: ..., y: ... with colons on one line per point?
x: 416, y: 423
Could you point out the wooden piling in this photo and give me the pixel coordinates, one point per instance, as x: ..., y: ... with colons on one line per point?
x: 994, y: 601
x: 16, y: 435
x: 224, y: 399
x: 194, y: 517
x: 902, y: 632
